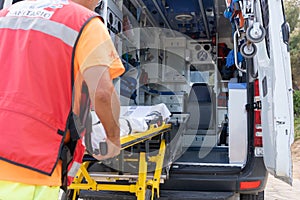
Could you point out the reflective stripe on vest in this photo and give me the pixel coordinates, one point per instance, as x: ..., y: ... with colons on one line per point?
x: 36, y: 57
x: 45, y: 26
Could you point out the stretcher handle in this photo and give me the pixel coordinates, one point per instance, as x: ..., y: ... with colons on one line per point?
x: 103, y: 148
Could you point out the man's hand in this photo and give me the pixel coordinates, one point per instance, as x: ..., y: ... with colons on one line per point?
x: 113, y: 149
x: 107, y: 106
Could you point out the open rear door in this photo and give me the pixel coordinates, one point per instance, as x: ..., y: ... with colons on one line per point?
x: 276, y: 93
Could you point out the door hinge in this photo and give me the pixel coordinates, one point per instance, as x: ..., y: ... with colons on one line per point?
x: 254, y: 105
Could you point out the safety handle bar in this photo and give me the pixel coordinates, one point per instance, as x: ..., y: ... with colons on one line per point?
x: 236, y: 33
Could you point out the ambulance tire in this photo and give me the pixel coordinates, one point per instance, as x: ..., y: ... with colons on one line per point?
x: 259, y: 196
x: 248, y: 51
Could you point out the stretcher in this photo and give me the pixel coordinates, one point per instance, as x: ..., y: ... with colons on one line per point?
x: 143, y: 184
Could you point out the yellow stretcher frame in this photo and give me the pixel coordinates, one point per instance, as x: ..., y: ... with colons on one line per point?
x: 141, y: 185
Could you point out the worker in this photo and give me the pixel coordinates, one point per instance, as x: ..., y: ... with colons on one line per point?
x: 54, y: 54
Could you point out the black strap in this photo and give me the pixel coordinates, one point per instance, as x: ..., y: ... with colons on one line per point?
x: 72, y: 126
x: 129, y: 126
x: 75, y: 127
x: 88, y: 135
x: 66, y: 158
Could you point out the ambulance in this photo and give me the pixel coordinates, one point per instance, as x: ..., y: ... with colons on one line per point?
x: 222, y: 69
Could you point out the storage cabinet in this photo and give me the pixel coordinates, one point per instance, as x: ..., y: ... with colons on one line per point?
x: 237, y: 123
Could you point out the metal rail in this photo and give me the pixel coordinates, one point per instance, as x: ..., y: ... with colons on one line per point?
x: 235, y: 38
x: 204, y: 18
x: 97, y: 176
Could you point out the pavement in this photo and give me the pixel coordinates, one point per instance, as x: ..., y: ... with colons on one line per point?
x: 279, y: 190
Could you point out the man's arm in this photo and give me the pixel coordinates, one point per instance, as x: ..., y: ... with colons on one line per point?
x: 107, y: 106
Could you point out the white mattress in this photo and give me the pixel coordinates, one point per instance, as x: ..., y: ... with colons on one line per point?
x: 132, y: 119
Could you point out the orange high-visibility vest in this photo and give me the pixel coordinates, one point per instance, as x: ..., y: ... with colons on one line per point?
x: 37, y: 48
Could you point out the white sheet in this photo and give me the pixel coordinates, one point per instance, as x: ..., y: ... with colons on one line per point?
x: 132, y: 119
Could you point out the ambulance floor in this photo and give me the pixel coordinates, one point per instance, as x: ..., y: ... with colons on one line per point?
x: 205, y: 155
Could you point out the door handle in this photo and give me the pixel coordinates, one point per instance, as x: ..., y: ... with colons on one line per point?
x: 285, y: 28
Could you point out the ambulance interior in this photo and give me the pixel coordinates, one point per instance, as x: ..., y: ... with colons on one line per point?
x: 175, y: 52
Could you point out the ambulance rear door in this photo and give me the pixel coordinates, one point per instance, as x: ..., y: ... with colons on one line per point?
x: 276, y: 92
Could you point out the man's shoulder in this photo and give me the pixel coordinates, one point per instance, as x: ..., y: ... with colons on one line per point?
x: 78, y: 9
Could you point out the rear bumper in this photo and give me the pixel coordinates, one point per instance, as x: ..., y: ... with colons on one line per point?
x: 201, y: 185
x: 164, y: 195
x: 228, y: 181
x: 193, y: 195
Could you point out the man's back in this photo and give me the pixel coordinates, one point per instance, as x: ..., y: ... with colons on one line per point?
x: 36, y: 94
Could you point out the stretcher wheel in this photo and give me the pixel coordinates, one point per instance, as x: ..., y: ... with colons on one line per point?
x: 256, y: 33
x: 248, y: 50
